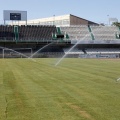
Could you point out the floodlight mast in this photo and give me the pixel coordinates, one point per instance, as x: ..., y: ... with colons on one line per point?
x: 4, y: 22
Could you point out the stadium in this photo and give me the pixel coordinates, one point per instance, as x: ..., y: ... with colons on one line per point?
x: 92, y: 39
x: 58, y: 68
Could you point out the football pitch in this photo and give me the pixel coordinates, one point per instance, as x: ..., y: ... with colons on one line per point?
x: 75, y: 89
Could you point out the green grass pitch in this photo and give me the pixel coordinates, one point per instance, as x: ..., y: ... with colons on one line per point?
x: 76, y: 89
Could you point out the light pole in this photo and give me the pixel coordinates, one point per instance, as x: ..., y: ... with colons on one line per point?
x: 53, y: 19
x: 108, y: 20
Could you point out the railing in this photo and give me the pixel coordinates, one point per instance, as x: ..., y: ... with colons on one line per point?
x: 31, y: 39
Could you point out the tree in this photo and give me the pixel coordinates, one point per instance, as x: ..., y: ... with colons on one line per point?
x: 116, y: 24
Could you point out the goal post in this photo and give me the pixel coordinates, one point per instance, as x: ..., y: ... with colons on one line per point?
x: 17, y: 53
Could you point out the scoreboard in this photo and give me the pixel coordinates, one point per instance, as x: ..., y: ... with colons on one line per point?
x: 15, y: 15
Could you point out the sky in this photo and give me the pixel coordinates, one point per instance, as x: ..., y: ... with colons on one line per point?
x: 94, y: 10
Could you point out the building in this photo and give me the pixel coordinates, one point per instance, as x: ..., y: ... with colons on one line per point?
x: 64, y: 20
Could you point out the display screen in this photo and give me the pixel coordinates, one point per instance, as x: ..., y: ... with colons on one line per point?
x: 15, y: 16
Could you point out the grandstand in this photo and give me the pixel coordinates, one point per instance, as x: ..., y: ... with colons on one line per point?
x: 26, y: 33
x: 89, y: 39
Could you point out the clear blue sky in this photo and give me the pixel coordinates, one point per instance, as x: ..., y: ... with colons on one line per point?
x: 94, y: 10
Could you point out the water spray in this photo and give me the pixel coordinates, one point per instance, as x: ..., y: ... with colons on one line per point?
x: 78, y: 41
x: 40, y: 50
x: 118, y: 80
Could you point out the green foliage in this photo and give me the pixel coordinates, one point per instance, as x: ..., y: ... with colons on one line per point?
x: 116, y: 24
